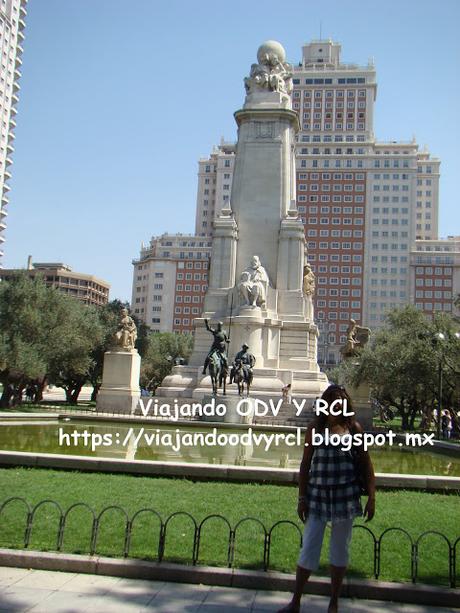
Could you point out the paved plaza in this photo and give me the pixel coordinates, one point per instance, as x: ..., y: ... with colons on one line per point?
x: 53, y: 592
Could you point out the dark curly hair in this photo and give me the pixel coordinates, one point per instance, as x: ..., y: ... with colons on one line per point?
x: 335, y: 392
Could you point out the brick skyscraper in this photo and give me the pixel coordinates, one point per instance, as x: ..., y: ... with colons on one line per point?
x: 364, y: 203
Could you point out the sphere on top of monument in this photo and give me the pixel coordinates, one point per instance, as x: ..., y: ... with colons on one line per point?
x: 271, y: 74
x: 271, y: 48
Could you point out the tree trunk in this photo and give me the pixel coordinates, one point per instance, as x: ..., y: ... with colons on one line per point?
x: 76, y: 392
x: 6, y: 396
x: 95, y: 392
x: 39, y: 390
x: 404, y: 420
x: 18, y: 392
x: 68, y: 394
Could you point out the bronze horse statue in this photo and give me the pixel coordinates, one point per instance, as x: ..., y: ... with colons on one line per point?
x: 218, y: 372
x: 242, y: 376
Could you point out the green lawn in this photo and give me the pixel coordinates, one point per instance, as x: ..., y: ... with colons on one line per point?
x: 51, y: 405
x: 412, y: 511
x: 395, y: 423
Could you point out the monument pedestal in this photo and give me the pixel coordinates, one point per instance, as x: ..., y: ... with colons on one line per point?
x: 360, y: 397
x: 120, y: 391
x: 231, y: 403
x: 189, y: 382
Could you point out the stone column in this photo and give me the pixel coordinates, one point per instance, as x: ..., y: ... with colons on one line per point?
x: 262, y: 182
x: 289, y: 278
x: 223, y: 264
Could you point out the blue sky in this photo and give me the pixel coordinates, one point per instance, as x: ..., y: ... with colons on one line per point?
x: 119, y: 99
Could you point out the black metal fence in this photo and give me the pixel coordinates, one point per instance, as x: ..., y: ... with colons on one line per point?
x: 411, y: 544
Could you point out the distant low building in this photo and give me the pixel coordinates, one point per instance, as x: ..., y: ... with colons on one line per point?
x: 170, y: 280
x: 435, y: 275
x: 86, y: 288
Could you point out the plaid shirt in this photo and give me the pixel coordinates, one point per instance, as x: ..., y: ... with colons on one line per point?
x: 333, y: 492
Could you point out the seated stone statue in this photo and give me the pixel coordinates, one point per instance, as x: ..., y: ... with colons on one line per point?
x: 126, y: 334
x: 253, y: 284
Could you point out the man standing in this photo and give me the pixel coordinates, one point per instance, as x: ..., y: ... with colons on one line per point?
x: 219, y: 345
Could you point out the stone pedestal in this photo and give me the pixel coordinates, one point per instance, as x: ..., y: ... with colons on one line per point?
x: 231, y: 416
x: 120, y: 391
x: 362, y: 405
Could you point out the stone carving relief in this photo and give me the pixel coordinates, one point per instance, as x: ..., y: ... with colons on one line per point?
x: 264, y: 129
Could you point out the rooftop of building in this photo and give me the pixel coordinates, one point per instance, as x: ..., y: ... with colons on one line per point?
x: 223, y: 148
x: 396, y: 143
x: 448, y: 240
x: 174, y: 236
x: 53, y: 267
x: 176, y: 242
x: 450, y: 245
x: 323, y: 55
x: 48, y: 265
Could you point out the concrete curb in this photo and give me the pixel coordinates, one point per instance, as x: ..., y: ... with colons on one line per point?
x: 219, y: 472
x: 227, y: 577
x: 28, y: 416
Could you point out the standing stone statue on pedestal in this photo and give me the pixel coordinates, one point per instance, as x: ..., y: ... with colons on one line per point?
x: 309, y: 281
x: 256, y: 280
x: 120, y: 391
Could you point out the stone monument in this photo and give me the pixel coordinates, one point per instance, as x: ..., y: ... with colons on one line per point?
x: 120, y: 391
x: 257, y: 284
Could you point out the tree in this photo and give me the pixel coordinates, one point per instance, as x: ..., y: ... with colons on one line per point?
x: 456, y: 303
x: 162, y: 351
x: 34, y: 319
x: 23, y: 339
x: 402, y: 362
x: 44, y: 336
x: 71, y: 359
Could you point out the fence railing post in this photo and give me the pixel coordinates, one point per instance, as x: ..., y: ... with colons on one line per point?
x: 28, y: 529
x: 127, y: 538
x: 414, y: 562
x: 267, y: 543
x: 94, y: 532
x: 376, y: 558
x: 231, y: 548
